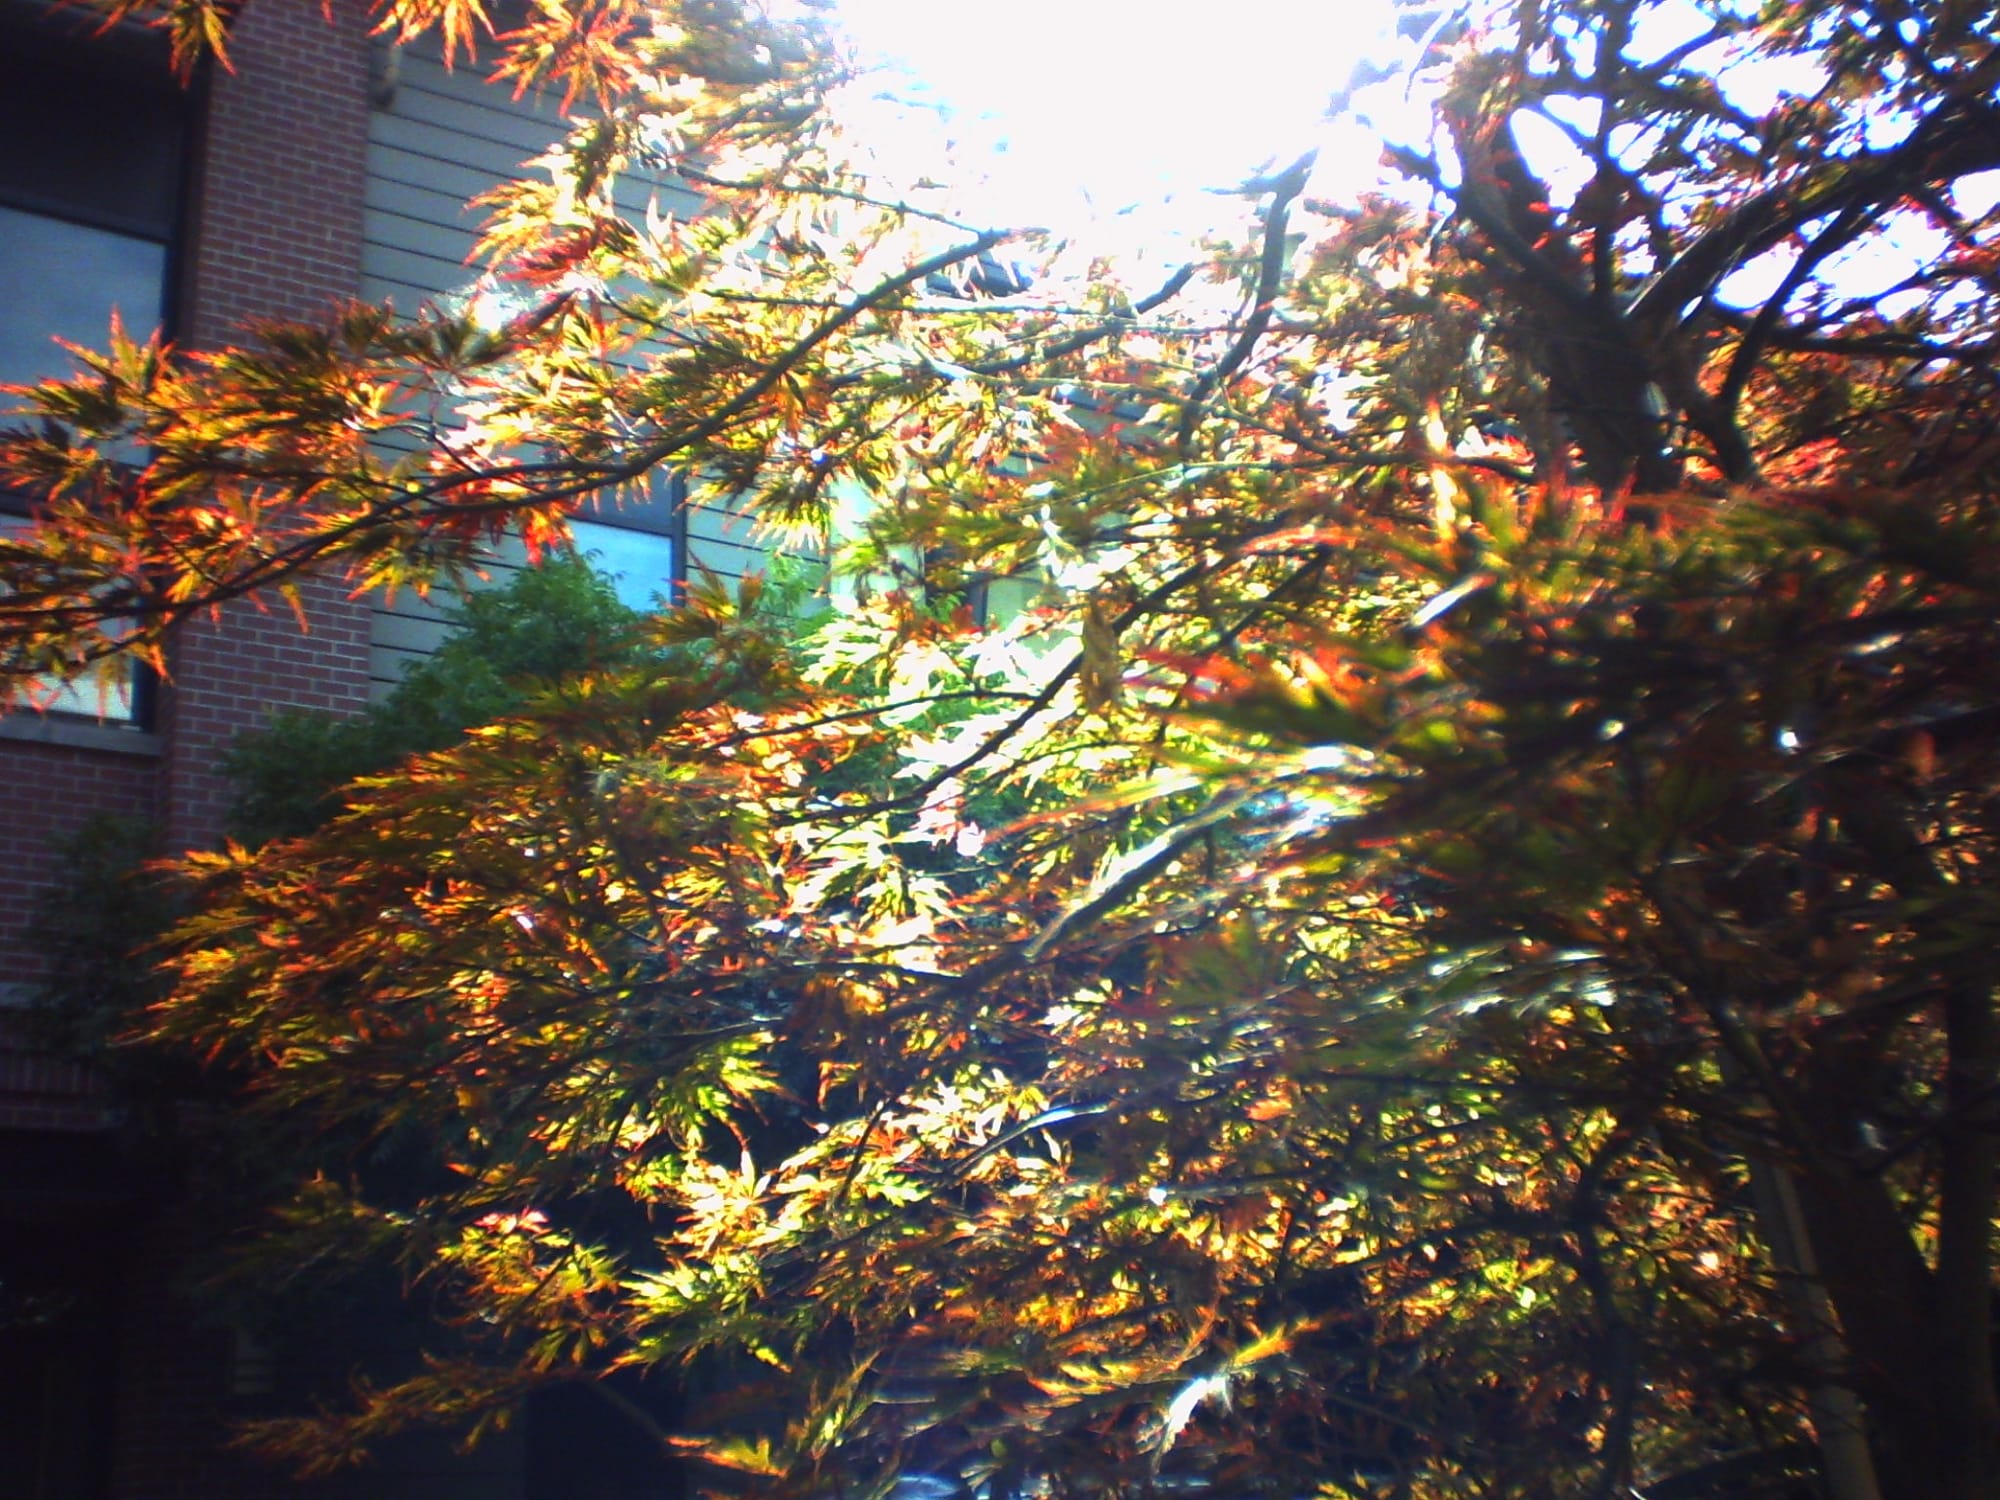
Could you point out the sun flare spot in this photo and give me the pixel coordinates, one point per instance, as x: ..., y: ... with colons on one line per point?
x: 1095, y: 107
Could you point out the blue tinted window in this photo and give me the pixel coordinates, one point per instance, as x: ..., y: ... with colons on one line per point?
x: 59, y: 279
x: 640, y: 564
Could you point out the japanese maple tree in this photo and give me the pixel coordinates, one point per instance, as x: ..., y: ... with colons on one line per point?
x: 1441, y: 950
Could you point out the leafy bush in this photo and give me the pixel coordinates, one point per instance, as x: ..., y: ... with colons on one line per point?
x: 93, y: 929
x: 550, y: 621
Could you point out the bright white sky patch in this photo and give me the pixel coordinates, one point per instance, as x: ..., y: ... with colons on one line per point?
x: 1096, y: 105
x: 1123, y: 125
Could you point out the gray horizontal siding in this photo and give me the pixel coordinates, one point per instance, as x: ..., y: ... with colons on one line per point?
x: 408, y: 626
x: 443, y: 138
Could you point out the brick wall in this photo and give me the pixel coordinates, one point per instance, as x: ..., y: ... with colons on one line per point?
x: 48, y: 790
x: 230, y: 673
x: 45, y: 792
x: 39, y: 1092
x: 282, y: 169
x: 276, y: 234
x: 175, y: 1414
x: 273, y: 230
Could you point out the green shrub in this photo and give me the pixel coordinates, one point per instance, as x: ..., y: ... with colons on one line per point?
x: 549, y: 622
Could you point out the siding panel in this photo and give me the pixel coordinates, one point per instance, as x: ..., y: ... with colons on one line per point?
x: 443, y: 138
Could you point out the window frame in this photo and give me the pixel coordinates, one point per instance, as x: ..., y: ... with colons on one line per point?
x: 131, y: 61
x: 660, y: 512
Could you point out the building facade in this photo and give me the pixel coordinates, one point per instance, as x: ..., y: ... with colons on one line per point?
x: 320, y: 167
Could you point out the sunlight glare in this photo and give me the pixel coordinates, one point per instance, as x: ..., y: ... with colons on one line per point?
x: 1100, y: 105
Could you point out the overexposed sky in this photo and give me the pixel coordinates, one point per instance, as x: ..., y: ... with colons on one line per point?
x: 1128, y: 120
x: 1114, y: 102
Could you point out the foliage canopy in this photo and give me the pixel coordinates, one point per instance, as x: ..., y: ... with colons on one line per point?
x: 1444, y: 954
x: 555, y: 620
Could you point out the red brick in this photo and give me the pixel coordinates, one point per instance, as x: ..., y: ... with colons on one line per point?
x: 279, y: 172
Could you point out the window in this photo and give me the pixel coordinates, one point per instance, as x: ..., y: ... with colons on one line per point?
x: 92, y: 133
x: 61, y: 279
x: 638, y: 544
x: 90, y: 182
x: 116, y: 693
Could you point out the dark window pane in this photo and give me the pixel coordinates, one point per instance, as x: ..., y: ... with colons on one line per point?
x: 640, y: 564
x: 652, y: 505
x: 101, y: 145
x: 110, y: 694
x: 58, y: 278
x: 631, y: 537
